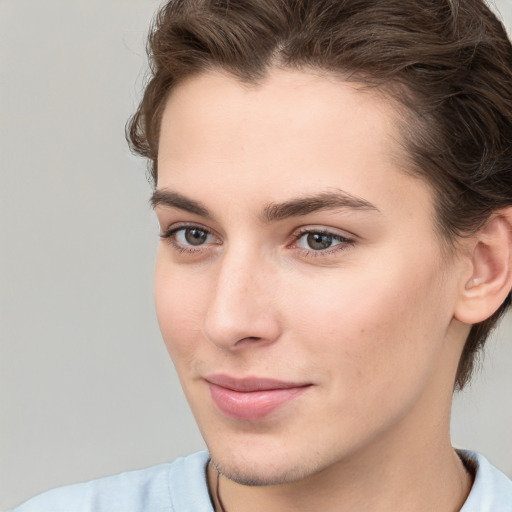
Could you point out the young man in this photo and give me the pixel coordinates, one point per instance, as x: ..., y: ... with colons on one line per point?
x: 333, y: 184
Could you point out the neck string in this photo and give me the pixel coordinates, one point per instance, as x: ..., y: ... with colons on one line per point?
x: 217, y: 492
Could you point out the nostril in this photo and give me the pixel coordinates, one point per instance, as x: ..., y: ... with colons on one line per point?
x: 249, y: 339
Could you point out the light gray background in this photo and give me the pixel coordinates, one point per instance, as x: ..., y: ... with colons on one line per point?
x: 86, y: 386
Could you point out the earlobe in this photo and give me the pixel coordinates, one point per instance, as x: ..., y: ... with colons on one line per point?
x: 491, y: 279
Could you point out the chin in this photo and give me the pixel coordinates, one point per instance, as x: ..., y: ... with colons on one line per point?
x: 263, y: 467
x: 259, y: 476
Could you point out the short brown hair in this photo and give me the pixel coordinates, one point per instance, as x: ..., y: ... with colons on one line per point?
x: 447, y: 62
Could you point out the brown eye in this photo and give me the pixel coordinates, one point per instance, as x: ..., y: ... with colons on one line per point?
x: 195, y: 236
x: 319, y: 241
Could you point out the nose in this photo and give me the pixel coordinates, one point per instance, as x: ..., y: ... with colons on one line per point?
x: 242, y: 308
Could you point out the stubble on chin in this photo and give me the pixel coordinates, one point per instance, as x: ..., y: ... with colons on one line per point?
x: 258, y: 477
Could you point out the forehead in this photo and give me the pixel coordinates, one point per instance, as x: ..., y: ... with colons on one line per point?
x: 214, y: 106
x: 293, y: 133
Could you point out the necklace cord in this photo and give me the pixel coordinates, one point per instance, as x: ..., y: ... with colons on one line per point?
x: 217, y: 491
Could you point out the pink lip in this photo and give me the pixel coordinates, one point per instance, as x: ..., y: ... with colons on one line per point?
x: 251, y: 398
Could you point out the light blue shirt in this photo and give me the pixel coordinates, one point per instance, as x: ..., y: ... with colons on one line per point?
x: 181, y: 486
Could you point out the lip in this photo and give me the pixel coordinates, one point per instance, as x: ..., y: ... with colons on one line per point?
x: 252, y: 398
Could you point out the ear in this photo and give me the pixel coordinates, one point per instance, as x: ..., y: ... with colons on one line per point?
x: 491, y: 270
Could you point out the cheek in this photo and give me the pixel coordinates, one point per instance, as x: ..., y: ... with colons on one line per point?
x: 345, y: 332
x: 372, y: 330
x: 180, y: 307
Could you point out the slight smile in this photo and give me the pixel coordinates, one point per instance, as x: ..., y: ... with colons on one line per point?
x: 251, y: 398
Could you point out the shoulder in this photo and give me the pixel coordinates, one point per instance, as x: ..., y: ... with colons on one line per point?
x: 492, y: 489
x: 165, y: 487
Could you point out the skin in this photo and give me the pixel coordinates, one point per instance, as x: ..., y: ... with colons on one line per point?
x: 371, y: 323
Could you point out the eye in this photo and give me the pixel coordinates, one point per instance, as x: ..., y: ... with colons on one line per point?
x: 321, y: 241
x: 189, y: 238
x: 317, y: 241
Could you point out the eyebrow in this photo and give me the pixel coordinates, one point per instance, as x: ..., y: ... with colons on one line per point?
x: 336, y: 200
x: 165, y: 197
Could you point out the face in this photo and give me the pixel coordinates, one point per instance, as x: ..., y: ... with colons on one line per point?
x: 300, y: 284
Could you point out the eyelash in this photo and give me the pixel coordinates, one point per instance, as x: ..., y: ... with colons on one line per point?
x: 344, y: 242
x: 170, y: 233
